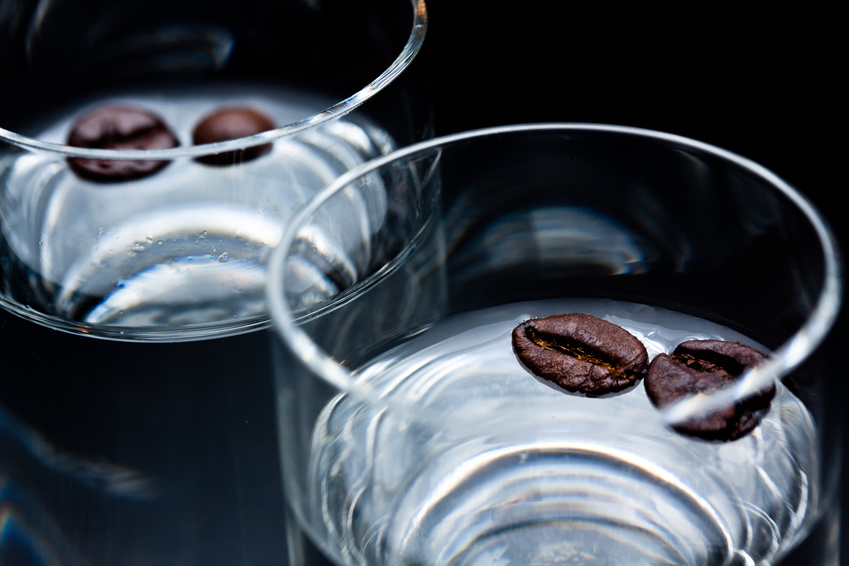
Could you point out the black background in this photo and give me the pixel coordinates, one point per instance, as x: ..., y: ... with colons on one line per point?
x: 763, y: 85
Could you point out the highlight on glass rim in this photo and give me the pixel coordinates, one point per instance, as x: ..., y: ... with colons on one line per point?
x: 541, y: 371
x: 151, y: 156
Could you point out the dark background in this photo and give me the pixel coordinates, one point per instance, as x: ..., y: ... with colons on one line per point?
x: 763, y: 85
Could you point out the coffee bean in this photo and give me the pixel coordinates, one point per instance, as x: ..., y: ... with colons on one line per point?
x: 119, y: 127
x: 229, y: 124
x: 703, y: 366
x: 580, y: 353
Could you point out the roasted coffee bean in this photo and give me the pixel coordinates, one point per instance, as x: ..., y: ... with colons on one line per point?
x: 229, y: 124
x: 119, y: 127
x: 703, y: 366
x: 580, y: 353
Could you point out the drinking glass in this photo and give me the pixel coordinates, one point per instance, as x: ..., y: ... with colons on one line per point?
x: 150, y: 155
x: 412, y: 430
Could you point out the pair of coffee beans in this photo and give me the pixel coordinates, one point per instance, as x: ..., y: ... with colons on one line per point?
x: 585, y: 354
x: 127, y: 127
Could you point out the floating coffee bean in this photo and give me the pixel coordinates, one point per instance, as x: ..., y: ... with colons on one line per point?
x: 703, y: 366
x: 229, y: 124
x: 119, y: 127
x: 580, y: 353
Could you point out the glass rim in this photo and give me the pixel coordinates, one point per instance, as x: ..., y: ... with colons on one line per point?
x: 780, y: 362
x: 146, y: 334
x: 408, y: 53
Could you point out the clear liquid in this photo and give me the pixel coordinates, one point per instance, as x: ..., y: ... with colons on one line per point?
x: 515, y: 472
x: 160, y: 450
x: 185, y: 246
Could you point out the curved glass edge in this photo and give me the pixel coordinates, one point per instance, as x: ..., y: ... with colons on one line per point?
x: 147, y: 334
x: 783, y: 360
x: 341, y: 108
x: 214, y: 329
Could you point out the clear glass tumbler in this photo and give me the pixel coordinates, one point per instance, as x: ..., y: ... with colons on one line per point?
x: 151, y: 154
x: 431, y: 412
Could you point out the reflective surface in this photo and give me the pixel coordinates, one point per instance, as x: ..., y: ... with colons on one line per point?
x: 406, y: 437
x: 136, y: 409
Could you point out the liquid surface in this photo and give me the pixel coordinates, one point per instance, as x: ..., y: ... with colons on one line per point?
x: 185, y: 246
x: 512, y: 471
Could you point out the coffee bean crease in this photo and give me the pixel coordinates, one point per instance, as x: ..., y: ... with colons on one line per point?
x: 572, y: 348
x: 706, y: 366
x: 119, y: 127
x: 580, y: 353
